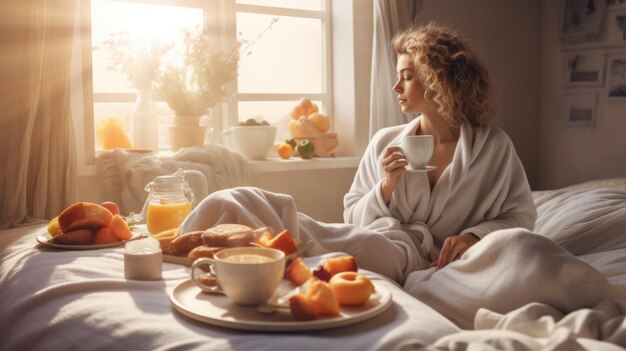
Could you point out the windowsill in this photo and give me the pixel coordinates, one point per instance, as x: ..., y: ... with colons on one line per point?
x: 275, y: 164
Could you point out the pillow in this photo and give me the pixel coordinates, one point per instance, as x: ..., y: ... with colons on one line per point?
x: 583, y: 221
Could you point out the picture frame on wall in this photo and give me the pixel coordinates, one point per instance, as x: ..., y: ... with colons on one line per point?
x: 616, y: 25
x: 616, y: 77
x: 581, y: 109
x: 584, y: 68
x: 582, y: 20
x: 615, y: 3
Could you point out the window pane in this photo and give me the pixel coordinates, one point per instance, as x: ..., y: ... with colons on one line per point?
x: 286, y: 59
x: 144, y: 23
x: 297, y: 4
x: 275, y: 113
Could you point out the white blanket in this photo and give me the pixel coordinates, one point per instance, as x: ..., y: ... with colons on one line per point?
x: 126, y: 174
x: 539, y: 326
x: 484, y: 189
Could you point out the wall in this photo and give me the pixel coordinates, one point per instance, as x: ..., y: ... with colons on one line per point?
x: 573, y: 155
x: 317, y: 193
x: 506, y: 34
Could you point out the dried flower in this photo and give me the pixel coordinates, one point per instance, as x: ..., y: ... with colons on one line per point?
x: 202, y: 79
x: 138, y: 60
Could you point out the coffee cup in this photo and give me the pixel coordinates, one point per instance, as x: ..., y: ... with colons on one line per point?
x: 418, y: 149
x: 248, y: 276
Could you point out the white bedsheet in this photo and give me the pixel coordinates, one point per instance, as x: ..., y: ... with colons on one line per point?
x: 64, y: 300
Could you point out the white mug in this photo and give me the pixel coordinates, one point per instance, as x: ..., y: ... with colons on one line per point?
x: 418, y: 149
x: 143, y: 259
x: 246, y: 275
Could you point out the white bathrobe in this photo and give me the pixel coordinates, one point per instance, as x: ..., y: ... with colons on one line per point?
x: 484, y: 189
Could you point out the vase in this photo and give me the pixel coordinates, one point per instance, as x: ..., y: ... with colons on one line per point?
x: 145, y: 122
x: 186, y: 131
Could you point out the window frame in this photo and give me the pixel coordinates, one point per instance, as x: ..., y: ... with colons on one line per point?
x: 223, y: 12
x: 324, y: 15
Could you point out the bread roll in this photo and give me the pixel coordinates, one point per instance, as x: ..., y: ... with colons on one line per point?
x: 184, y: 243
x: 84, y: 215
x: 231, y: 235
x: 165, y: 238
x: 222, y: 235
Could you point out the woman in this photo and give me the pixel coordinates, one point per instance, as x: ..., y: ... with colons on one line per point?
x: 479, y: 184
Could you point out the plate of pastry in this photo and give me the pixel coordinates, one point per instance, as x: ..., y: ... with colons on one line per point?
x: 216, y: 309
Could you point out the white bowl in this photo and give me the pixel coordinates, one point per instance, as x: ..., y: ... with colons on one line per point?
x: 254, y: 142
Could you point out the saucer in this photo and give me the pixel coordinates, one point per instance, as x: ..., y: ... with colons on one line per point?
x: 420, y: 170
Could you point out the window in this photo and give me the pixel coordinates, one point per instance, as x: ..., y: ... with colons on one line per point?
x: 290, y: 60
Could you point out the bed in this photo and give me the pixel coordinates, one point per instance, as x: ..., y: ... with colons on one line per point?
x: 68, y: 299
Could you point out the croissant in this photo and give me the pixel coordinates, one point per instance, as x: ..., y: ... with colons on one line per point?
x: 84, y: 215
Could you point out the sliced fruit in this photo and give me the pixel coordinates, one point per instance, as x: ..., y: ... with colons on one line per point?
x: 298, y: 272
x: 323, y: 298
x: 283, y: 242
x: 54, y: 228
x: 302, y: 308
x: 120, y: 229
x: 104, y: 236
x: 340, y: 264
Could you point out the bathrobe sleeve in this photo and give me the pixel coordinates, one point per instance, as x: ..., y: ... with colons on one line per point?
x: 364, y: 203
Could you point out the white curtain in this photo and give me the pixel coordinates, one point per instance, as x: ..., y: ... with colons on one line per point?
x: 37, y: 147
x: 390, y: 16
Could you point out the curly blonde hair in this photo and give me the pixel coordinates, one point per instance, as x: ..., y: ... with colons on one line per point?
x: 450, y: 72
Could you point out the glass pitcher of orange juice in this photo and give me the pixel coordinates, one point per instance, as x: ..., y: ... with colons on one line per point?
x: 170, y: 200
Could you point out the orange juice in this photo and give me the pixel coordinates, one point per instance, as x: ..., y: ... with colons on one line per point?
x: 164, y: 216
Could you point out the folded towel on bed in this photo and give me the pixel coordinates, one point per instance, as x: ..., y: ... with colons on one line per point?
x: 126, y: 174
